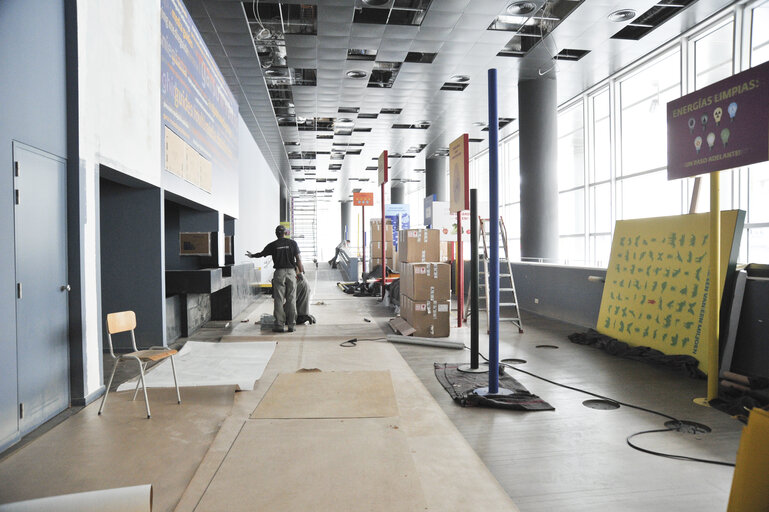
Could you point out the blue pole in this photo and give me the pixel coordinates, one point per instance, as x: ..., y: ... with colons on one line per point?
x: 494, y: 232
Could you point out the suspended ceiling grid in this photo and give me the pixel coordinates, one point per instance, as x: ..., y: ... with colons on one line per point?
x: 456, y: 31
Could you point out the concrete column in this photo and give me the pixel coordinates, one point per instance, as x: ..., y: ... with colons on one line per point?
x: 397, y: 194
x: 435, y: 178
x: 346, y: 226
x: 538, y: 140
x: 284, y: 216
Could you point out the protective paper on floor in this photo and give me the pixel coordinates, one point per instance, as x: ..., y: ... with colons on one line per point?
x: 201, y: 363
x: 318, y: 465
x: 365, y: 394
x: 461, y: 387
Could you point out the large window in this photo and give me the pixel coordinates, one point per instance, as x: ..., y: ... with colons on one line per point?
x: 612, y: 144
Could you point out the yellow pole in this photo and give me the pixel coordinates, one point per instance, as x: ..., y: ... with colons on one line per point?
x: 715, y: 284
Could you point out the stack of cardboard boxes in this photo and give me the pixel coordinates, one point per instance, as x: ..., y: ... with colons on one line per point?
x: 425, y: 283
x: 376, y: 244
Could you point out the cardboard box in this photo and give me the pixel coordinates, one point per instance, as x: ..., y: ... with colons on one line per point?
x: 376, y: 230
x: 431, y: 319
x: 445, y: 252
x: 426, y: 281
x: 418, y: 245
x: 376, y: 249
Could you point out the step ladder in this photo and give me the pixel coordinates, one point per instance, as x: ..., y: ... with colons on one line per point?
x: 511, y: 308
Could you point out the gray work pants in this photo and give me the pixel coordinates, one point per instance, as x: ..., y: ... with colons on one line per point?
x: 302, y: 297
x: 284, y: 290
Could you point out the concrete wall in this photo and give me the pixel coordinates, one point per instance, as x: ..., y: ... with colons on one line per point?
x: 259, y: 203
x: 563, y: 293
x: 33, y: 112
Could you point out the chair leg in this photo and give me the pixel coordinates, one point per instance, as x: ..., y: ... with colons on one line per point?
x: 144, y: 387
x: 136, y: 391
x: 112, y: 376
x: 173, y: 368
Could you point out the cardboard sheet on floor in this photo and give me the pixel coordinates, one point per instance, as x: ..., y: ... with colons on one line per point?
x: 201, y: 363
x: 124, y: 499
x: 329, y: 395
x: 319, y: 465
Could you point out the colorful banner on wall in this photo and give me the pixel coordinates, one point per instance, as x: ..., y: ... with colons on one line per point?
x: 398, y: 214
x: 382, y: 168
x: 197, y: 105
x: 459, y: 174
x: 363, y: 198
x: 722, y: 126
x: 657, y: 283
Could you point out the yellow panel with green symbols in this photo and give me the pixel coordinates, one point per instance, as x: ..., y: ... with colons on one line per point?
x: 657, y: 284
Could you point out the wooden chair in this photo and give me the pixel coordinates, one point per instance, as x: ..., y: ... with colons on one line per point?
x: 126, y: 321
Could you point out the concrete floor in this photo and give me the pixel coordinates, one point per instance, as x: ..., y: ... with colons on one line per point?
x: 570, y: 459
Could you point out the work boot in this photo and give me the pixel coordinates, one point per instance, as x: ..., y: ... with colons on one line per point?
x: 277, y: 328
x: 290, y: 328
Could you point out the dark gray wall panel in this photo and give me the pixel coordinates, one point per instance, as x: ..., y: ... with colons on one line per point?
x: 131, y: 265
x: 33, y: 112
x: 563, y: 293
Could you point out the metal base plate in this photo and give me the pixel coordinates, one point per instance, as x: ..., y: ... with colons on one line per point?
x: 466, y: 368
x: 702, y: 401
x: 500, y: 391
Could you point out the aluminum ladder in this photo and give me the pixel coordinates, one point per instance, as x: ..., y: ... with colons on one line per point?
x: 483, y: 270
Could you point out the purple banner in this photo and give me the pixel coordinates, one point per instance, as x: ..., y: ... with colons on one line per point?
x: 722, y: 126
x: 197, y: 104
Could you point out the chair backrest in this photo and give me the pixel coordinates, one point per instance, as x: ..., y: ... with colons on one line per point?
x: 121, y: 322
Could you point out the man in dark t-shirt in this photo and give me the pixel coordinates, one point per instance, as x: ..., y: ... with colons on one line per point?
x: 286, y: 262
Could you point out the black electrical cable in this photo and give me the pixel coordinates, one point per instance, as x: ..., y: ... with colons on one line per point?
x: 354, y: 342
x: 638, y: 407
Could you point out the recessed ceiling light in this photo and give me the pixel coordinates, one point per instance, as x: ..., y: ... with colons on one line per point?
x: 479, y: 123
x: 423, y: 122
x: 521, y: 8
x: 622, y: 15
x: 356, y: 73
x: 460, y: 78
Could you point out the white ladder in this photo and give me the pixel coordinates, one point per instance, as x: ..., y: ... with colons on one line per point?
x: 510, y: 307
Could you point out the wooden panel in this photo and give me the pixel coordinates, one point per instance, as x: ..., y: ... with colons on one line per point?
x: 121, y: 322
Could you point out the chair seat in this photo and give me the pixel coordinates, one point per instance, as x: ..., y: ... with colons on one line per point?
x: 152, y: 355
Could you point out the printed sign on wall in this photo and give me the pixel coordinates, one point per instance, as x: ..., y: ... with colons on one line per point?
x: 197, y: 104
x: 363, y: 199
x: 459, y: 174
x: 398, y: 215
x: 382, y: 169
x: 657, y: 283
x: 722, y: 126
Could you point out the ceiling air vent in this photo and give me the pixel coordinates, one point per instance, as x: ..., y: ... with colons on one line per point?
x: 358, y: 54
x: 349, y: 110
x: 569, y: 54
x: 367, y: 116
x: 384, y: 74
x: 403, y: 12
x: 394, y: 111
x: 324, y: 136
x: 531, y: 26
x: 271, y: 21
x: 419, y: 125
x: 454, y: 86
x: 502, y: 121
x: 651, y: 19
x: 364, y: 130
x: 420, y: 58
